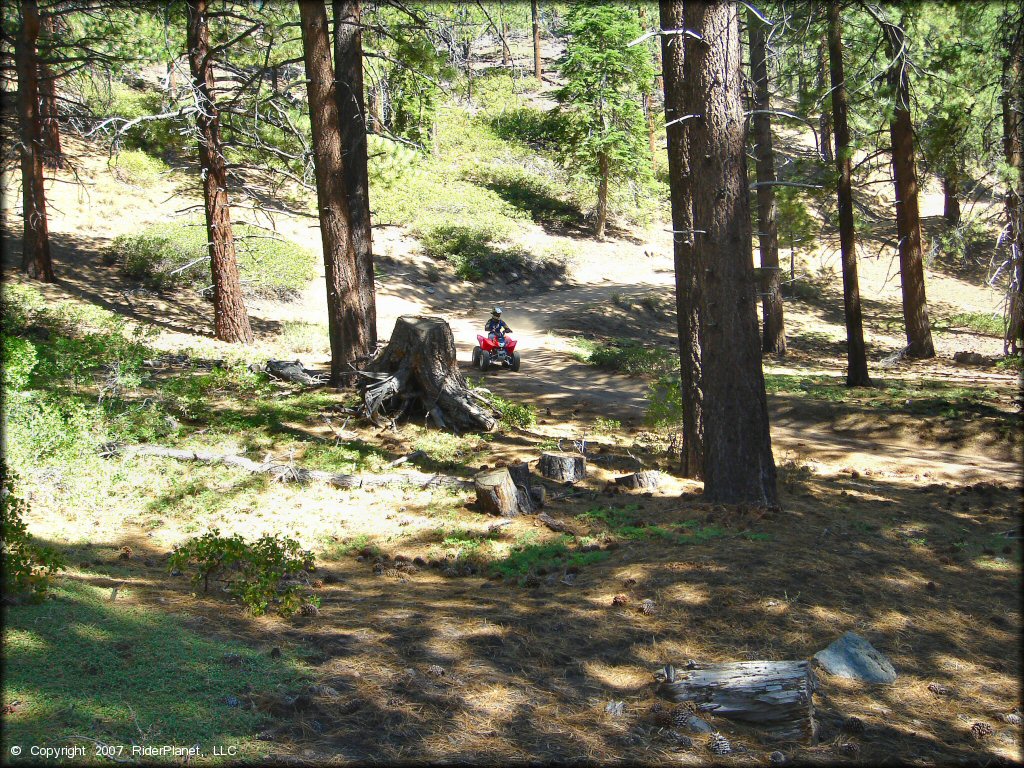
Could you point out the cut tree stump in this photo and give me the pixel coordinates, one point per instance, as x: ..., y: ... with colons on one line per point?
x: 524, y: 481
x: 563, y: 467
x: 772, y: 695
x: 417, y: 371
x: 647, y: 480
x: 496, y: 494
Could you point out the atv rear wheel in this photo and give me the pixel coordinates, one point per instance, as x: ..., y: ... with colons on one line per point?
x: 485, y: 360
x: 514, y: 365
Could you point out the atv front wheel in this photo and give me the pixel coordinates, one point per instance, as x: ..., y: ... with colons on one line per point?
x: 476, y: 356
x: 514, y: 365
x: 485, y: 360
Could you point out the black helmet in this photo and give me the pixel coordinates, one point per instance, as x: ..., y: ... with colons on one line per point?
x: 496, y: 311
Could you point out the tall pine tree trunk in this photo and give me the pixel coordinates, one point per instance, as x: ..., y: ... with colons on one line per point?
x: 1012, y: 98
x: 774, y: 336
x: 35, y: 258
x: 856, y: 358
x: 348, y: 70
x: 738, y: 462
x: 53, y: 156
x: 677, y: 102
x: 230, y: 320
x: 825, y: 119
x: 538, y: 70
x: 349, y: 337
x: 602, y: 195
x: 951, y: 200
x: 908, y: 217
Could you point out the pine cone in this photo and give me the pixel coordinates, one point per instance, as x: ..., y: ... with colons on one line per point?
x: 681, y: 741
x: 435, y: 670
x: 938, y: 690
x: 777, y: 758
x: 1011, y: 718
x: 853, y: 725
x: 629, y: 583
x: 647, y: 607
x: 680, y: 717
x: 316, y: 584
x: 849, y: 748
x: 660, y: 715
x: 620, y: 600
x: 981, y: 730
x: 308, y: 609
x: 719, y: 745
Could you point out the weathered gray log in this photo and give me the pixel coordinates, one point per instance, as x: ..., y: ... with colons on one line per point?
x: 496, y: 494
x: 418, y: 371
x: 647, y: 480
x: 295, y: 372
x: 286, y: 472
x: 773, y: 695
x: 564, y: 467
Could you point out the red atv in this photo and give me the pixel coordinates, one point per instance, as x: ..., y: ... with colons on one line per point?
x: 495, y: 350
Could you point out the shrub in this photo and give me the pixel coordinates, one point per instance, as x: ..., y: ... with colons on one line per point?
x: 257, y: 573
x: 664, y: 401
x: 985, y: 323
x: 514, y: 414
x: 27, y: 567
x: 470, y: 250
x: 626, y: 356
x: 19, y: 359
x: 542, y: 130
x: 175, y: 253
x: 133, y: 166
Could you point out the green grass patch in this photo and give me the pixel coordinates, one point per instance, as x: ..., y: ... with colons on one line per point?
x: 298, y: 337
x: 133, y: 166
x: 626, y: 523
x: 625, y: 356
x: 346, y: 457
x: 122, y: 673
x: 985, y: 323
x: 527, y: 559
x: 176, y: 253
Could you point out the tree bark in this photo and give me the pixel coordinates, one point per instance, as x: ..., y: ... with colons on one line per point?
x: 496, y: 494
x: 231, y: 322
x: 908, y: 218
x: 856, y: 356
x: 602, y: 196
x: 563, y: 467
x: 677, y: 106
x: 825, y: 119
x: 418, y: 369
x: 773, y: 339
x: 53, y: 156
x: 345, y: 310
x: 738, y: 462
x: 1012, y: 101
x: 538, y: 70
x: 776, y: 696
x: 35, y: 257
x: 348, y: 69
x: 950, y: 201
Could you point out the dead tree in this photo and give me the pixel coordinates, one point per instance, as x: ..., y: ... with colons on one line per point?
x: 773, y: 695
x: 417, y: 373
x: 35, y: 257
x: 231, y: 321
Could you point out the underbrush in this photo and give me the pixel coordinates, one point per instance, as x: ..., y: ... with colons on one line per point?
x: 176, y: 253
x: 627, y: 523
x: 133, y: 166
x: 625, y: 356
x: 985, y: 323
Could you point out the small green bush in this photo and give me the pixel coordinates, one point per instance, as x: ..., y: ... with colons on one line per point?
x: 664, y: 402
x: 134, y: 166
x: 542, y: 130
x: 525, y: 558
x: 27, y: 567
x: 20, y: 359
x: 626, y: 356
x: 257, y: 573
x: 514, y: 414
x: 985, y: 323
x: 175, y: 253
x: 472, y: 252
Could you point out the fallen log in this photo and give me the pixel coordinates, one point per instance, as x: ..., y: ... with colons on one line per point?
x: 647, y: 480
x: 563, y: 467
x: 496, y: 494
x: 555, y: 525
x: 773, y: 695
x: 287, y: 472
x: 293, y: 371
x: 417, y: 371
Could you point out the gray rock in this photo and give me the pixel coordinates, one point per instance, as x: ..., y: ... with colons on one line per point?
x: 854, y: 657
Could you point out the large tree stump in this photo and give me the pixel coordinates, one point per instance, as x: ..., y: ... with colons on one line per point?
x: 496, y: 494
x: 564, y: 467
x: 417, y: 371
x: 774, y: 695
x: 524, y: 481
x: 647, y: 480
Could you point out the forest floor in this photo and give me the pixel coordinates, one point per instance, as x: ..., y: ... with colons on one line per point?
x: 899, y: 520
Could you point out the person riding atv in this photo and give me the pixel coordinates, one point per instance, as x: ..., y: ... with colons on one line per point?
x: 496, y: 328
